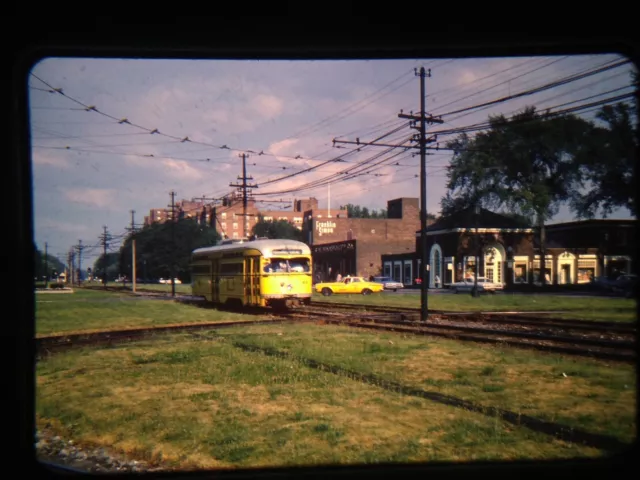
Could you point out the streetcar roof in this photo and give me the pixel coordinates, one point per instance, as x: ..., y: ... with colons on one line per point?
x: 267, y: 248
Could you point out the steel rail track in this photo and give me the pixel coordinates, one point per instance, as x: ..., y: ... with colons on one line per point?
x: 498, y: 337
x: 50, y: 344
x: 524, y: 318
x: 518, y: 334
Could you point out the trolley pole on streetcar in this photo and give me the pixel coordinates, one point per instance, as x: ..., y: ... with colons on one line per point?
x: 423, y: 119
x: 244, y: 186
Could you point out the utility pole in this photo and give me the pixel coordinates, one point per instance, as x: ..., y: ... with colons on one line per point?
x: 422, y: 146
x: 105, y: 238
x: 244, y: 186
x: 46, y: 266
x: 173, y: 241
x: 80, y: 248
x: 69, y: 268
x: 132, y: 229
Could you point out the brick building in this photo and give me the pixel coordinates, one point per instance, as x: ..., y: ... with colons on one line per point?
x: 229, y: 219
x: 354, y: 246
x: 509, y: 252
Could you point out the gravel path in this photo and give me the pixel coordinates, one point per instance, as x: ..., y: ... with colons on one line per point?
x: 56, y: 450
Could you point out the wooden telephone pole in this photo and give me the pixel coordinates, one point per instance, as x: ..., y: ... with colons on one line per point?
x: 244, y: 186
x: 423, y: 119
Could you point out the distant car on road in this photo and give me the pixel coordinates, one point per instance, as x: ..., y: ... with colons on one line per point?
x: 349, y: 285
x: 484, y: 285
x: 388, y: 283
x: 626, y: 284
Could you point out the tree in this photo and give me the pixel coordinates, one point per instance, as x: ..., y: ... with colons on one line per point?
x: 276, y: 229
x: 356, y: 211
x: 110, y: 263
x: 524, y: 164
x: 157, y: 248
x: 608, y: 172
x: 54, y: 265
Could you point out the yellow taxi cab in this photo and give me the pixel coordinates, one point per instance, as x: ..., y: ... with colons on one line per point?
x: 349, y: 285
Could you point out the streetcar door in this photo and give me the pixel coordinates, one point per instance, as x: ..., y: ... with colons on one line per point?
x: 248, y: 299
x: 215, y: 281
x: 255, y: 280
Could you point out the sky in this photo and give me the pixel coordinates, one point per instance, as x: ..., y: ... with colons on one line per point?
x: 90, y: 170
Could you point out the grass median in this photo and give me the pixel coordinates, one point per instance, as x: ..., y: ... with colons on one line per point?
x: 90, y: 310
x: 599, y: 397
x: 587, y: 308
x: 208, y: 404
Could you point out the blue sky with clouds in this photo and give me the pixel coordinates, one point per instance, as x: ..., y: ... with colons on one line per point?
x: 274, y: 106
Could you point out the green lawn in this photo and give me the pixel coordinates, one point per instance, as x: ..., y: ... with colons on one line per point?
x: 594, y: 395
x: 90, y: 310
x: 588, y: 308
x: 191, y: 403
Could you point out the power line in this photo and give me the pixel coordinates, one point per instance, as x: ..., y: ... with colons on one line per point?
x: 528, y: 72
x: 156, y: 131
x: 307, y: 130
x: 547, y: 86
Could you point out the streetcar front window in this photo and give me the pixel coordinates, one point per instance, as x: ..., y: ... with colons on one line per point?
x: 284, y: 265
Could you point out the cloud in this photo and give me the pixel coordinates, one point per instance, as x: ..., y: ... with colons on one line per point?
x: 93, y: 197
x: 42, y: 159
x: 182, y: 170
x: 268, y: 106
x: 50, y: 224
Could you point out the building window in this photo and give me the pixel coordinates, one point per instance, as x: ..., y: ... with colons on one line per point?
x: 520, y: 269
x: 297, y: 219
x: 397, y: 272
x: 224, y: 215
x: 235, y: 226
x: 387, y: 269
x: 408, y: 274
x: 586, y: 270
x: 235, y: 234
x: 224, y: 225
x: 548, y: 264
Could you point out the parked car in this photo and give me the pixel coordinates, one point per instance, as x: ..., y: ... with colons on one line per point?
x: 484, y: 285
x: 388, y: 283
x: 626, y: 284
x: 349, y: 285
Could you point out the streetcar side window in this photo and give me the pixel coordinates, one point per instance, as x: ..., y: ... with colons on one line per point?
x: 231, y: 269
x: 283, y: 265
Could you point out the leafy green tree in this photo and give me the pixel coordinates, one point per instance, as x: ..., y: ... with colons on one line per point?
x: 356, y: 211
x: 53, y: 264
x: 608, y: 173
x: 157, y: 248
x: 276, y: 229
x: 525, y: 165
x: 109, y: 264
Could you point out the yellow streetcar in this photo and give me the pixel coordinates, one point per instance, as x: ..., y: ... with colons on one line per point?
x: 267, y: 272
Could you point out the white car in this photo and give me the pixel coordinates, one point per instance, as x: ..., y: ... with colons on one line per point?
x: 389, y: 283
x: 484, y: 285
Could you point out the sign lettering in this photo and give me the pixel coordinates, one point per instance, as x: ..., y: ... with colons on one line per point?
x: 325, y: 227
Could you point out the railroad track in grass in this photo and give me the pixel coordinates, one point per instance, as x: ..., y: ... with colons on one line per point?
x: 55, y: 343
x: 512, y: 318
x: 596, y: 343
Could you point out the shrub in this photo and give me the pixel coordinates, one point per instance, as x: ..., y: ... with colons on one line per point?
x: 56, y: 285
